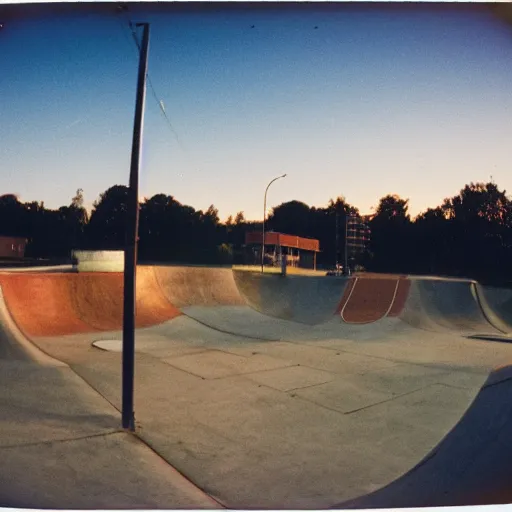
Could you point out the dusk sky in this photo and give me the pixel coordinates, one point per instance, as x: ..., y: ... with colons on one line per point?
x: 375, y: 100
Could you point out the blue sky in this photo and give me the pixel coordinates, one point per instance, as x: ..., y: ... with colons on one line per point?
x: 378, y: 99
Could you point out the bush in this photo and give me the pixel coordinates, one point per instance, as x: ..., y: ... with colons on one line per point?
x: 225, y: 253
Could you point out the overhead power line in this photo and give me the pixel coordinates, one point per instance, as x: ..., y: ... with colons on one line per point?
x: 122, y: 11
x: 159, y: 101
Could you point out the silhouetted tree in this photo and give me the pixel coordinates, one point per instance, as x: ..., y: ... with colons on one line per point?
x: 480, y: 221
x: 293, y: 217
x: 74, y: 219
x: 208, y: 237
x: 239, y: 218
x: 13, y: 217
x: 169, y: 231
x: 390, y: 236
x: 468, y: 235
x: 107, y: 227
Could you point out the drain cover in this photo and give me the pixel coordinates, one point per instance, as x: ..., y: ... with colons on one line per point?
x: 490, y: 337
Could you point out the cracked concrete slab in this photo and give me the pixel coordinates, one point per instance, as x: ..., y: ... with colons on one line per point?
x: 215, y: 364
x: 342, y: 396
x: 48, y: 403
x: 299, y: 450
x: 335, y: 361
x: 402, y: 378
x: 464, y: 380
x: 61, y: 448
x: 428, y: 412
x: 293, y: 377
x: 234, y: 436
x: 113, y: 471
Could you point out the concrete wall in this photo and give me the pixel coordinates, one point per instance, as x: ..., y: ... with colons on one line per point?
x: 98, y: 261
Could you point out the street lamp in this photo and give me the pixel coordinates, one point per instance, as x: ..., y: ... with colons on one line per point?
x: 264, y: 215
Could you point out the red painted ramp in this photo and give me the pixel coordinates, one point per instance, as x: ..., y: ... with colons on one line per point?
x: 59, y: 304
x: 367, y: 300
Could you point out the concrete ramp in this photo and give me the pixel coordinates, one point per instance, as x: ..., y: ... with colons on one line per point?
x: 69, y: 303
x: 368, y: 300
x: 445, y: 305
x: 254, y: 305
x: 374, y: 389
x: 303, y: 299
x: 496, y: 304
x: 198, y: 286
x: 12, y: 347
x: 325, y: 306
x: 304, y: 307
x: 245, y: 321
x: 316, y: 300
x: 471, y: 466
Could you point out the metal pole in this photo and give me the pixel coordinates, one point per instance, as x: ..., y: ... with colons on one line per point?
x: 263, y: 230
x: 337, y: 243
x: 345, y: 269
x: 130, y: 252
x: 264, y: 215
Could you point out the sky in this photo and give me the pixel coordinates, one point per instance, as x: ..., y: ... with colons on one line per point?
x: 348, y: 99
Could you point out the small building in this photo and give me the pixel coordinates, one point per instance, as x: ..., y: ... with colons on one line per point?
x: 12, y: 247
x: 300, y: 252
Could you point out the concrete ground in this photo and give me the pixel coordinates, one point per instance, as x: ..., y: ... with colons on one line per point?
x: 307, y: 422
x: 61, y: 445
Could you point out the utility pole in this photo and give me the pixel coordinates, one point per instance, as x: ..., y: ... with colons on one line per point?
x: 132, y: 230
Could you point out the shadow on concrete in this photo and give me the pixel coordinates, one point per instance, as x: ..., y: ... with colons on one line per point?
x: 470, y: 466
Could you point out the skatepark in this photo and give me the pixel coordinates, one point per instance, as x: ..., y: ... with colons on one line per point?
x: 255, y: 391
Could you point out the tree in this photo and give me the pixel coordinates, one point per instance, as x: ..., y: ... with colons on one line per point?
x: 9, y: 201
x: 391, y: 238
x: 77, y: 219
x: 431, y: 243
x: 78, y: 200
x: 393, y: 207
x: 167, y: 229
x: 107, y: 227
x: 292, y: 217
x: 468, y: 235
x: 225, y: 254
x: 480, y: 218
x: 13, y: 217
x: 239, y: 218
x: 208, y: 236
x: 341, y: 206
x: 232, y: 233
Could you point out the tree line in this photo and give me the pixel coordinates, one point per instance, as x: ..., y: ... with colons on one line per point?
x: 468, y: 235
